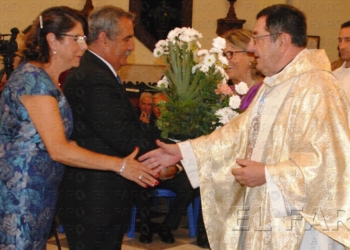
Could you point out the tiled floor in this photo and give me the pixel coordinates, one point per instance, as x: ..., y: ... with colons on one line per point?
x: 182, y: 240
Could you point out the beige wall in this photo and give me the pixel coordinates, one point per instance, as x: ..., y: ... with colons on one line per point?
x: 324, y: 19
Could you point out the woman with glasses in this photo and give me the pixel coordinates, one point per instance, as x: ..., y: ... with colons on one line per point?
x: 35, y: 123
x: 241, y: 63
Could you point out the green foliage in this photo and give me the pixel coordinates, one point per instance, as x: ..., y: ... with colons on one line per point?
x: 192, y: 101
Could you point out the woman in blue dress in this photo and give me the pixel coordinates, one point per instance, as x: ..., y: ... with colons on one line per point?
x: 35, y: 123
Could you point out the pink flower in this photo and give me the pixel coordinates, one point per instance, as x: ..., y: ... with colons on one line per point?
x: 224, y: 89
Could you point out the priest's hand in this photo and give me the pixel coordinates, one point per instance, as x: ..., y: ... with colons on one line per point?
x: 252, y: 173
x: 162, y: 157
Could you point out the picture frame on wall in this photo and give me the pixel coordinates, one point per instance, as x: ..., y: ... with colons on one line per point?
x: 313, y: 42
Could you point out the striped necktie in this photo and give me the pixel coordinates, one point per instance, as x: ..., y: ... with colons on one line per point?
x: 118, y: 79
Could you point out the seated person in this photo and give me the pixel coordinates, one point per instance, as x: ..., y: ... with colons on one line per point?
x: 172, y: 178
x: 145, y: 105
x: 157, y: 98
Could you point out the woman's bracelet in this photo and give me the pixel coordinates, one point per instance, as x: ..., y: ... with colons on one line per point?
x: 123, y: 167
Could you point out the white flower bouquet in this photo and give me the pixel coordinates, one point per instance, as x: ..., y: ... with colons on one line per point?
x: 195, y: 82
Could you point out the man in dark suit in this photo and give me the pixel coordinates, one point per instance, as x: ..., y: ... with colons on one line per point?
x: 95, y: 208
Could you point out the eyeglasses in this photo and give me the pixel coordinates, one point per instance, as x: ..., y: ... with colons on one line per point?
x: 256, y: 38
x: 78, y: 39
x: 229, y: 54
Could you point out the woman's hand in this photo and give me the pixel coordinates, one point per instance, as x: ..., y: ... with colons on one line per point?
x: 137, y: 172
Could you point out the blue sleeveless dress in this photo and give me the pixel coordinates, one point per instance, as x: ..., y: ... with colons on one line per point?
x: 29, y: 178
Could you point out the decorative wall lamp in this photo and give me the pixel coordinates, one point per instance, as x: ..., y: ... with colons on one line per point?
x: 88, y: 7
x: 230, y: 21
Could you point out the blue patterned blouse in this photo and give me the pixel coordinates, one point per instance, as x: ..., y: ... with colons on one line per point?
x: 29, y: 178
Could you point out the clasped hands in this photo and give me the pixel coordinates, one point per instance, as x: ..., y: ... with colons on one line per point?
x: 144, y: 117
x: 251, y: 173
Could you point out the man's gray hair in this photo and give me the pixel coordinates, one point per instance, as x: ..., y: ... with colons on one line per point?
x: 105, y: 19
x: 146, y: 94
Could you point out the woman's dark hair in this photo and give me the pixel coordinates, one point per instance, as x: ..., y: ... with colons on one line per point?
x: 56, y: 20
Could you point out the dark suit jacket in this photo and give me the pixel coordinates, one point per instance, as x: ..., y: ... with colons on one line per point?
x: 104, y: 122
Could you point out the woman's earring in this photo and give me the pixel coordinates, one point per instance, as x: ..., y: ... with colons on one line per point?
x: 54, y: 52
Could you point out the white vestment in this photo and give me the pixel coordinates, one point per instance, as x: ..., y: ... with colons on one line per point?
x: 304, y: 140
x: 343, y: 76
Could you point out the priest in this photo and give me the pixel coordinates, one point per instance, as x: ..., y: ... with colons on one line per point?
x: 278, y: 175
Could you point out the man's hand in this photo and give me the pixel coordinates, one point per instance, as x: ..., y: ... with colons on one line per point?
x: 252, y: 173
x: 144, y: 117
x: 162, y: 157
x: 168, y: 173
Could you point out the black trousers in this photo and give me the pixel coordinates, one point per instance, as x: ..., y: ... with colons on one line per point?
x: 95, y: 210
x: 82, y: 236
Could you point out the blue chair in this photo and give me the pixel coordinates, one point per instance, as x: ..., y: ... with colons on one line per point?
x: 192, y: 212
x: 60, y: 229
